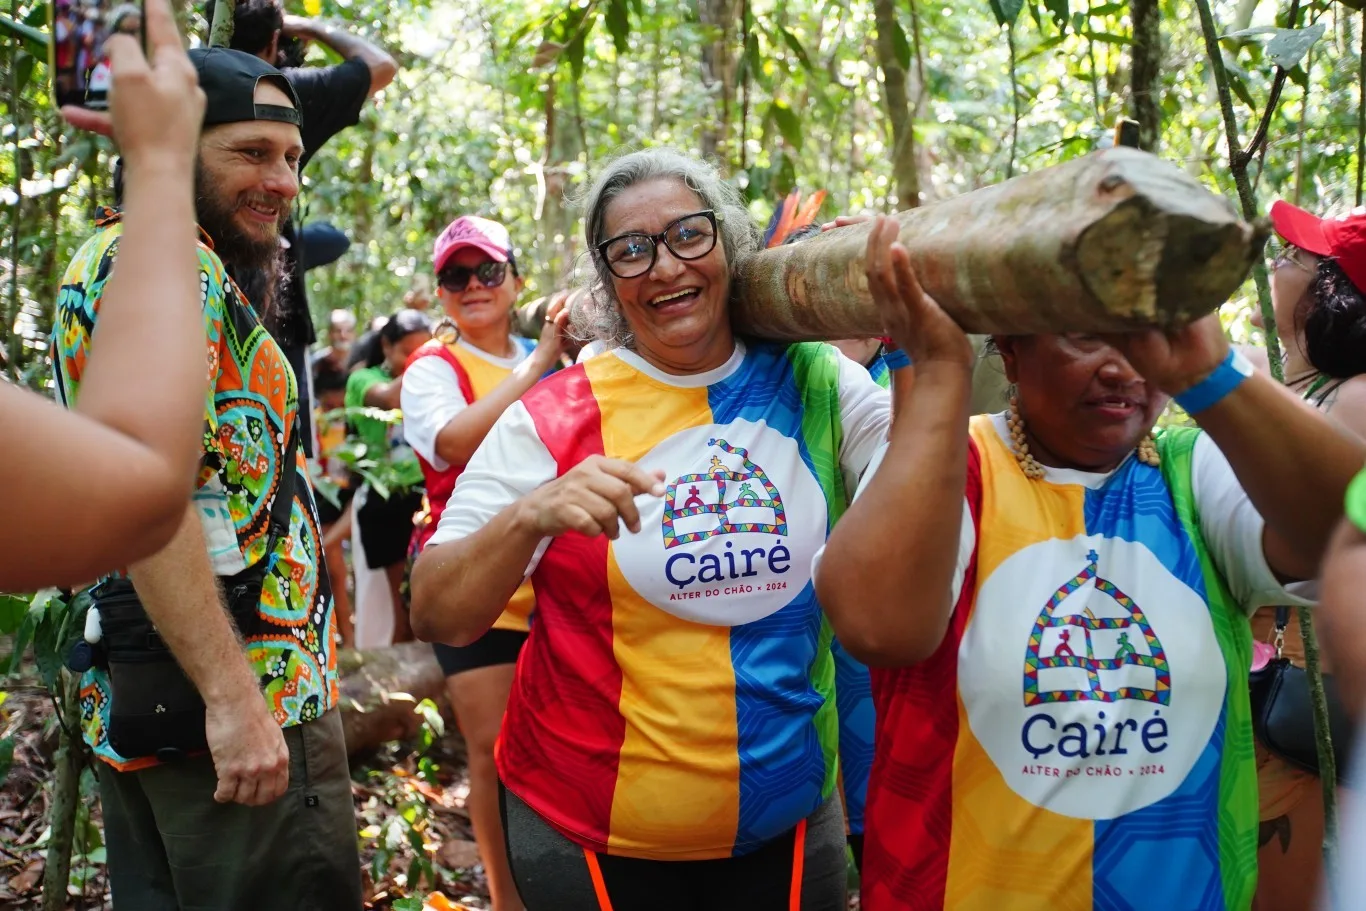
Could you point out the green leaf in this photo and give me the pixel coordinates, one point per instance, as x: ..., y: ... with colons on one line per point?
x: 34, y: 39
x: 789, y: 124
x: 1288, y: 48
x: 12, y: 611
x: 900, y: 44
x: 411, y: 903
x: 1060, y: 12
x: 24, y: 69
x: 1108, y: 38
x: 1006, y: 11
x: 1108, y: 9
x: 796, y: 46
x: 1239, y: 88
x: 619, y: 25
x: 6, y: 758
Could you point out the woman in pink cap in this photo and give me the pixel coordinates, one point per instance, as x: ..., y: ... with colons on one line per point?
x: 454, y: 389
x: 1317, y: 279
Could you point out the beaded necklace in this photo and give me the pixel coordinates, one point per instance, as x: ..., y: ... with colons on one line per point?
x: 1019, y: 445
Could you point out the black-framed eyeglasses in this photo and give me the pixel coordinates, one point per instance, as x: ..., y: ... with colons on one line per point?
x: 456, y: 278
x: 632, y: 255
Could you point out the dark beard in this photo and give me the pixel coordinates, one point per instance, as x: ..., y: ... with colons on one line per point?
x: 237, y: 249
x: 257, y: 267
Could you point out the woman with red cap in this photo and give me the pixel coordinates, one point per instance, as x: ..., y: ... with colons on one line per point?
x: 456, y: 386
x: 1317, y: 279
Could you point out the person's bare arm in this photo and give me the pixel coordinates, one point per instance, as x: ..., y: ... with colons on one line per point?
x: 885, y: 579
x: 383, y: 68
x: 142, y: 416
x: 457, y: 441
x: 178, y: 589
x: 1269, y: 436
x: 384, y: 395
x: 1342, y: 612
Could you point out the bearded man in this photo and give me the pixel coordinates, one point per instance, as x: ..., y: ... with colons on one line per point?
x: 263, y: 817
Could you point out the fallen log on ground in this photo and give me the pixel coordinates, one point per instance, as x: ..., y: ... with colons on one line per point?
x: 1112, y: 241
x: 380, y: 689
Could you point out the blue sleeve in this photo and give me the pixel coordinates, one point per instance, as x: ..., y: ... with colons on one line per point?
x: 854, y: 705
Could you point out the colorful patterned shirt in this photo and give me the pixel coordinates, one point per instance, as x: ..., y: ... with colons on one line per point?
x: 249, y: 407
x: 1082, y: 738
x: 676, y: 697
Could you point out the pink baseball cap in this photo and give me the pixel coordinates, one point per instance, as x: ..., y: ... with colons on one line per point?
x: 472, y: 231
x: 1343, y: 239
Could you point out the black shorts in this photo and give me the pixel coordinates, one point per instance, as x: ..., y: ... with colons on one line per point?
x: 555, y: 874
x: 327, y: 513
x: 386, y: 526
x: 497, y: 646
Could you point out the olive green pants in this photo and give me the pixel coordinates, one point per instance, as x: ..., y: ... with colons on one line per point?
x: 172, y: 847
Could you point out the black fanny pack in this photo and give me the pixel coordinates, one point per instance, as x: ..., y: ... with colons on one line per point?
x: 155, y: 710
x: 1283, y: 711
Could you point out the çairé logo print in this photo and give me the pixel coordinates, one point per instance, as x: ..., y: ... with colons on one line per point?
x: 732, y: 539
x: 1122, y: 684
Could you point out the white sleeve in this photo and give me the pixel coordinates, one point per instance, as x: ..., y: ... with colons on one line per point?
x: 865, y: 416
x: 1232, y: 529
x: 510, y: 463
x: 429, y: 398
x: 967, y: 530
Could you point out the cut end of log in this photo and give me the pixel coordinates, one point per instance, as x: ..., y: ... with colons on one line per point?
x: 1112, y: 241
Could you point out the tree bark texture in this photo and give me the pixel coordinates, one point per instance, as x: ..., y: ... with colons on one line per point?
x: 1108, y: 242
x: 719, y: 67
x: 1147, y: 67
x: 380, y: 688
x: 900, y: 111
x: 66, y: 791
x: 221, y: 25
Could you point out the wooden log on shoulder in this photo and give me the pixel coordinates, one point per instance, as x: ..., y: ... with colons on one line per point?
x: 1112, y: 241
x: 380, y: 689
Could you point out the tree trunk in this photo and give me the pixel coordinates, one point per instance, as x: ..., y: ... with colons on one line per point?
x: 220, y: 29
x: 380, y: 688
x: 718, y: 74
x: 66, y: 792
x: 1147, y: 67
x: 898, y: 103
x: 1104, y: 243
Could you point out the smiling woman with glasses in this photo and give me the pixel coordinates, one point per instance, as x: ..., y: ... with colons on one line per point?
x: 670, y: 740
x: 454, y: 389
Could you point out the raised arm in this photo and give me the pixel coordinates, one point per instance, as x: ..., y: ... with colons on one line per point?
x: 142, y: 416
x: 457, y: 440
x: 1267, y: 433
x: 886, y: 575
x: 383, y: 68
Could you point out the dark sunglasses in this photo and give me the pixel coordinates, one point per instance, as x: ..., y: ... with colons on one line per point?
x: 457, y: 278
x: 632, y: 255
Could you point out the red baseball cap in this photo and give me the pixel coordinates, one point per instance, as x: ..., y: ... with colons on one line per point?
x: 1342, y: 239
x: 472, y: 231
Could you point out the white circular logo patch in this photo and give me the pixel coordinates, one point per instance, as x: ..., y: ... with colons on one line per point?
x: 733, y: 537
x: 1091, y: 676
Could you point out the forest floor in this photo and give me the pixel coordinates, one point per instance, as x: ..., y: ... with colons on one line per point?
x: 415, y: 837
x: 417, y: 847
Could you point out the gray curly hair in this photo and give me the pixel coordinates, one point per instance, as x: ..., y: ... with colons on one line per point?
x: 597, y: 314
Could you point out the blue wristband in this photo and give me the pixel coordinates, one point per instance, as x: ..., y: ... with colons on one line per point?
x: 1227, y: 377
x: 896, y: 359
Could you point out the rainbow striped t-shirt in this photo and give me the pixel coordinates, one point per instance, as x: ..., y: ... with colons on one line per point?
x: 676, y: 697
x: 1082, y: 737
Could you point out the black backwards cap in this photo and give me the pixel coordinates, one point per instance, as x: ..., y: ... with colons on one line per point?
x: 229, y: 80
